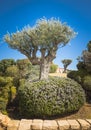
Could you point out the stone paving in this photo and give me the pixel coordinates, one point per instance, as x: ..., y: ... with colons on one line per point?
x: 37, y: 124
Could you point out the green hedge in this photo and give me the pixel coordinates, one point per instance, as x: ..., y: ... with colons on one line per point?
x: 7, y: 92
x: 87, y: 87
x: 87, y: 82
x: 75, y: 75
x: 54, y: 97
x: 84, y: 79
x: 3, y: 105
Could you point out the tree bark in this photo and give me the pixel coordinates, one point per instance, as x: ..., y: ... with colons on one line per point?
x: 65, y: 67
x: 44, y: 69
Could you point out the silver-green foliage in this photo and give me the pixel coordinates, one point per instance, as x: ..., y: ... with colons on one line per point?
x: 45, y: 37
x: 66, y: 63
x: 54, y: 97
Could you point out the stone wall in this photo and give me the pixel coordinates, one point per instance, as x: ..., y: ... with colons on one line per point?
x: 38, y: 124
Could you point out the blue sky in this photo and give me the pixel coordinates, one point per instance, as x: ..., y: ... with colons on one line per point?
x: 15, y: 14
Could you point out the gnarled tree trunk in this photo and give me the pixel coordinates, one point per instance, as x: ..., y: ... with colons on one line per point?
x: 44, y: 69
x: 64, y: 69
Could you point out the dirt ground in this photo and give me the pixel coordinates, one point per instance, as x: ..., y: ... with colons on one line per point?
x: 83, y: 113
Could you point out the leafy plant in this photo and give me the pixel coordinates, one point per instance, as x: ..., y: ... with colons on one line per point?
x: 66, y: 63
x: 53, y: 68
x: 7, y: 92
x: 45, y: 37
x: 47, y: 98
x: 87, y: 82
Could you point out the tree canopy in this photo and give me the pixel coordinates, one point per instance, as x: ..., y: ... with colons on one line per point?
x: 40, y: 42
x: 66, y: 62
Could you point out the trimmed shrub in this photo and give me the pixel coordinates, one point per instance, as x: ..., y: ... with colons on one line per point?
x: 12, y: 71
x: 53, y: 68
x: 48, y: 98
x: 87, y: 87
x: 13, y: 92
x: 87, y: 82
x: 4, y: 64
x: 75, y: 75
x: 84, y: 79
x: 5, y: 84
x: 33, y: 73
x: 81, y: 66
x: 6, y: 92
x: 3, y: 81
x: 3, y: 105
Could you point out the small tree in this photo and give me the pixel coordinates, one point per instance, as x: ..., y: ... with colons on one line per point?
x: 66, y: 62
x: 44, y: 38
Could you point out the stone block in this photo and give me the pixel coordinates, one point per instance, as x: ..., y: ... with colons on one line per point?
x: 1, y: 116
x: 74, y: 125
x: 84, y: 124
x: 37, y: 124
x: 63, y: 125
x: 13, y: 125
x: 50, y: 125
x: 89, y: 121
x: 4, y: 120
x: 37, y: 121
x: 25, y: 124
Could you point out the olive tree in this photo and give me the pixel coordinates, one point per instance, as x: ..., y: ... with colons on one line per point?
x: 66, y: 62
x: 41, y: 42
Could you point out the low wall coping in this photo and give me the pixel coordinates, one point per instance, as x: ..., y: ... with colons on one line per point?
x: 69, y: 124
x: 39, y: 124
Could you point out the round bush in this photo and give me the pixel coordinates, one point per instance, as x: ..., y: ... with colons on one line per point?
x: 52, y: 97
